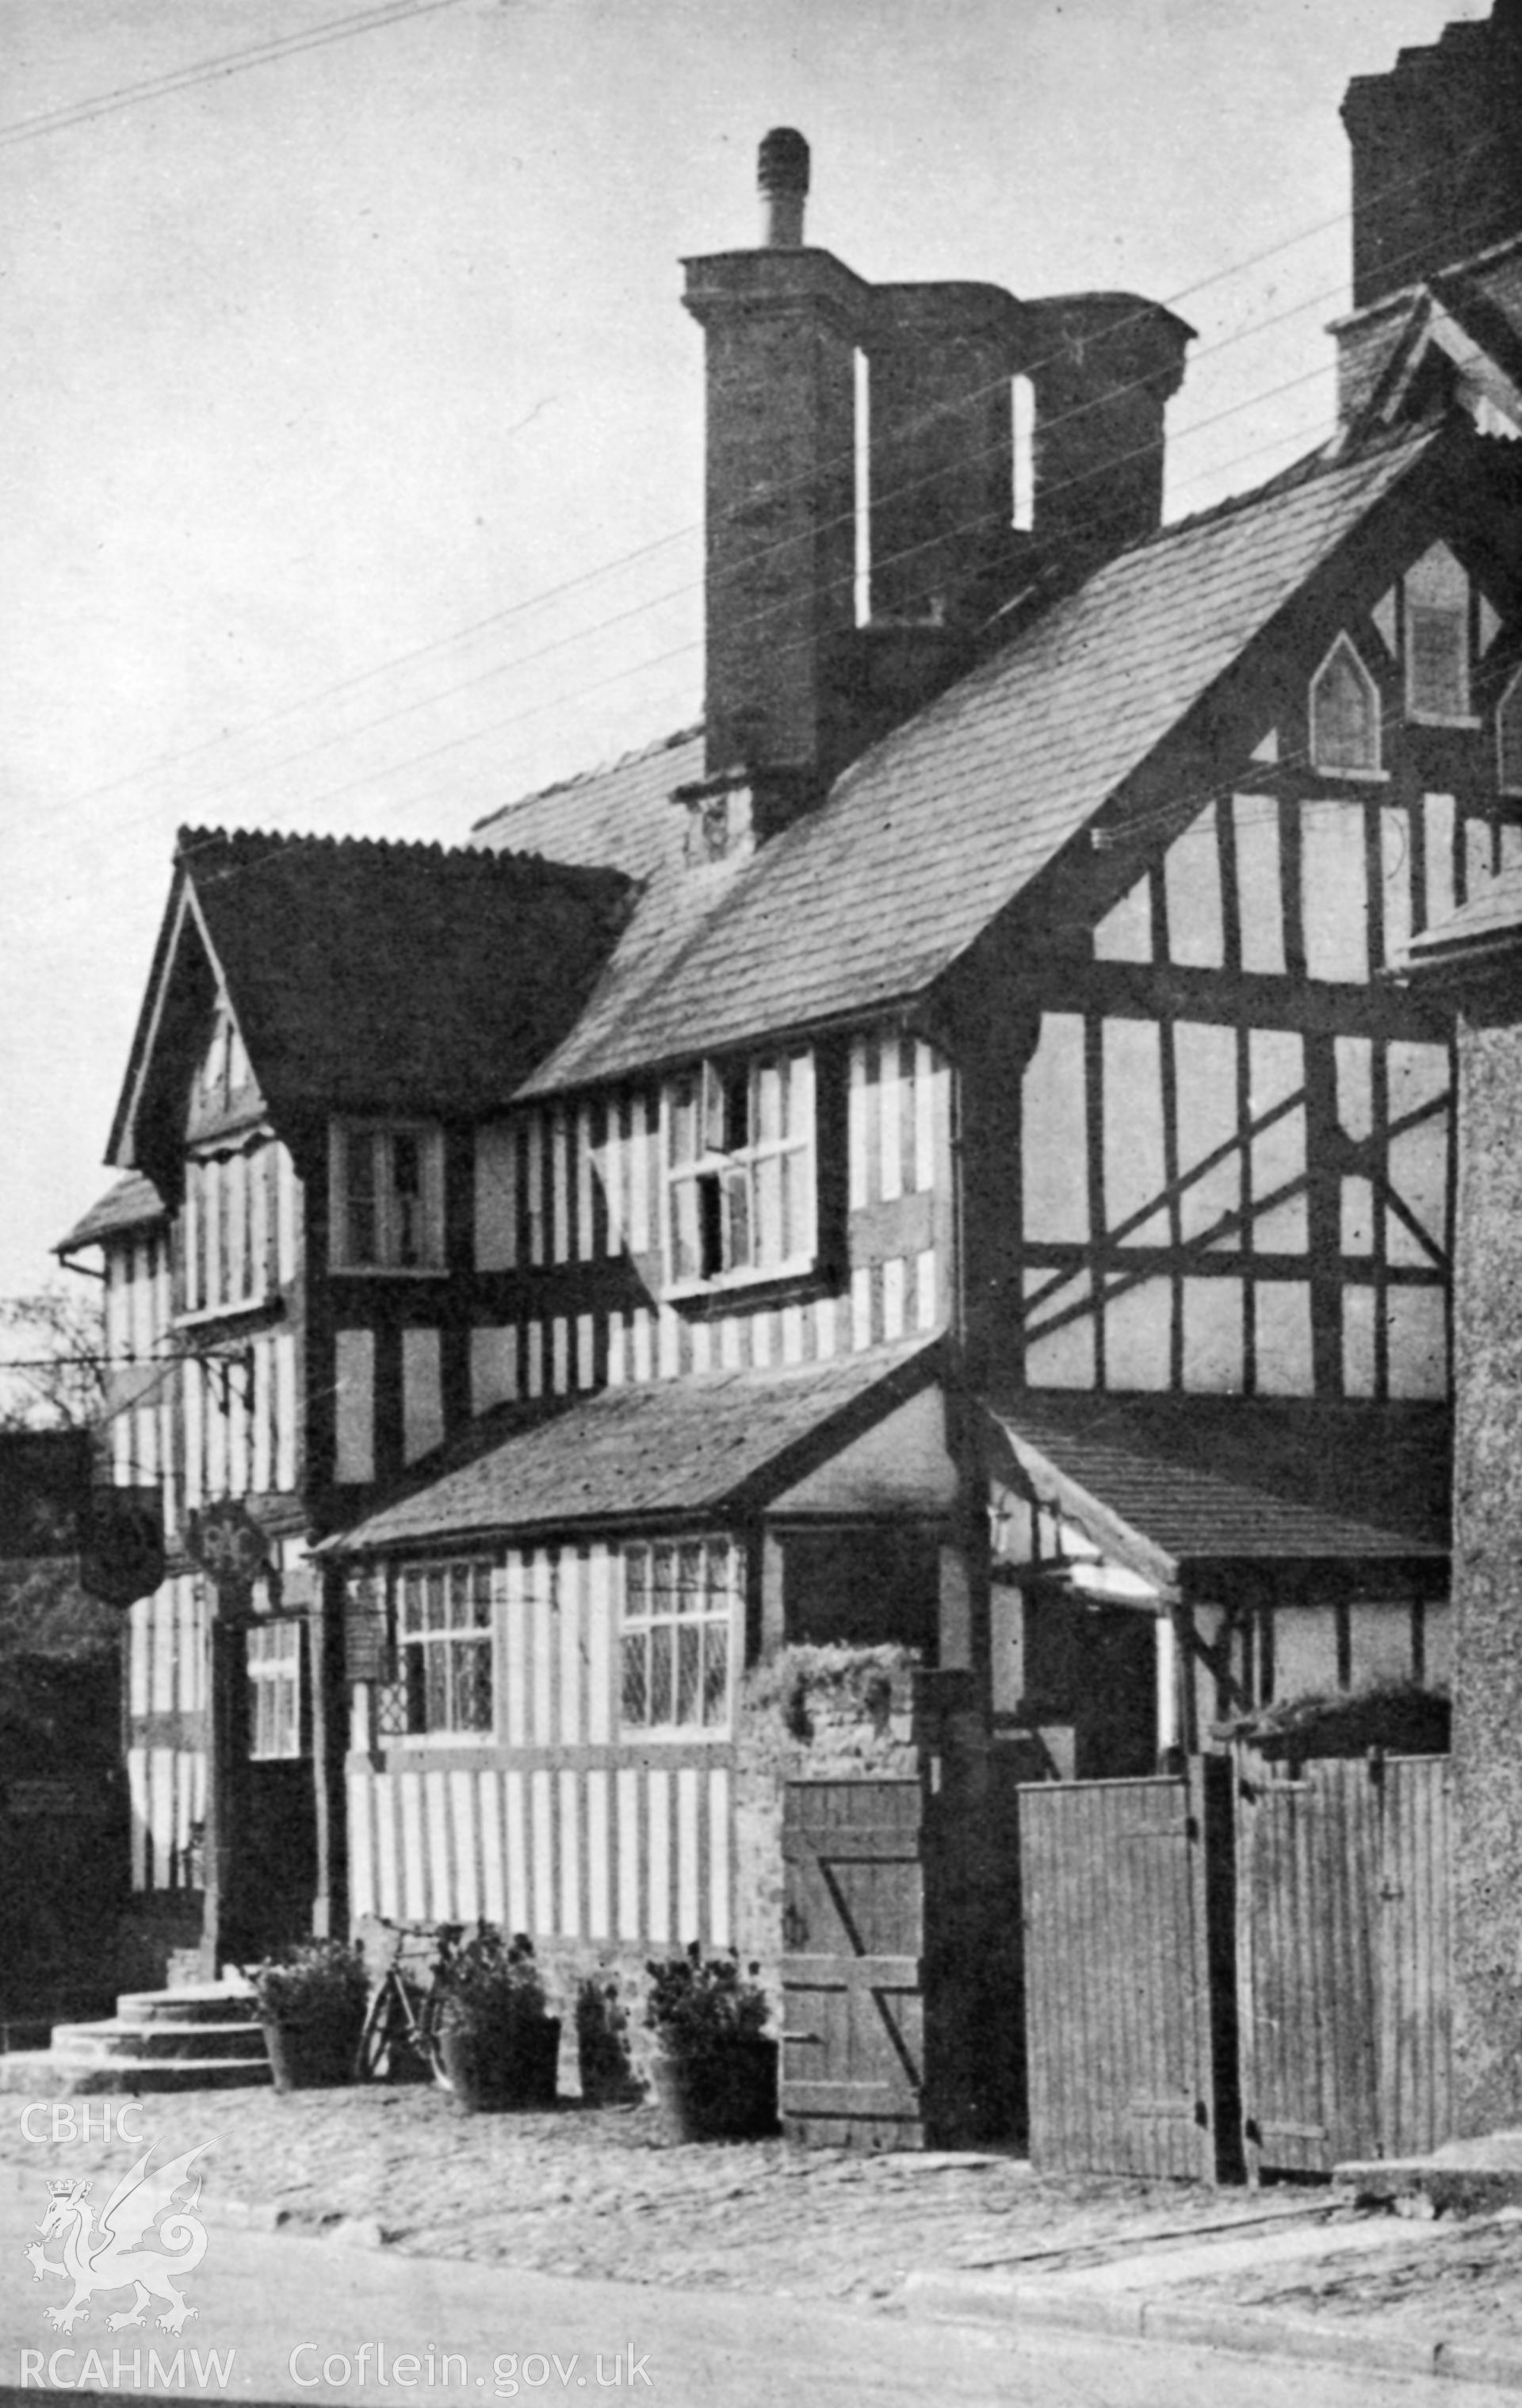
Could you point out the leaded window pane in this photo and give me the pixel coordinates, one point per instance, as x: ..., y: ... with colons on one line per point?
x: 689, y: 1673
x: 636, y: 1682
x: 470, y: 1660
x: 661, y: 1698
x: 407, y: 1212
x: 1435, y: 661
x: 1345, y: 715
x: 715, y: 1675
x: 360, y: 1197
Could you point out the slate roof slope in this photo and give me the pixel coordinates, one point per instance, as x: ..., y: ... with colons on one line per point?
x: 937, y: 829
x: 620, y: 817
x: 1270, y: 1481
x: 674, y: 1447
x: 132, y: 1202
x: 371, y: 976
x: 1490, y: 923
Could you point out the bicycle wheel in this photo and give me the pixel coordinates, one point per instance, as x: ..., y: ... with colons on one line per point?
x: 376, y: 2039
x: 389, y: 2050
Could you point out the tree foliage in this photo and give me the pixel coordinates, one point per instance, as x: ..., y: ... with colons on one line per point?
x: 52, y: 1359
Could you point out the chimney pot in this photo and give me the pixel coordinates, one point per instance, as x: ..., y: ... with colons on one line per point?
x: 782, y: 179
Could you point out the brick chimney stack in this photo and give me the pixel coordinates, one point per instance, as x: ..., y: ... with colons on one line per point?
x: 795, y: 688
x: 1437, y: 155
x: 782, y: 325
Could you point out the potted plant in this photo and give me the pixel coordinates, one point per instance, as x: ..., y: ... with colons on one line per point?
x: 500, y: 2045
x: 714, y: 2076
x: 311, y: 2001
x: 606, y: 2075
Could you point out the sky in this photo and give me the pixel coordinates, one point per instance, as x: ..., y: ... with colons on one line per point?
x: 350, y: 427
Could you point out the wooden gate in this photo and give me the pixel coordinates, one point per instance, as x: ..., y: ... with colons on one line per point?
x: 853, y: 2050
x: 901, y: 1971
x: 1118, y: 1976
x: 1343, y: 1960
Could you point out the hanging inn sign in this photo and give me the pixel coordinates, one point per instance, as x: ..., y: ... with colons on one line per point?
x: 225, y: 1542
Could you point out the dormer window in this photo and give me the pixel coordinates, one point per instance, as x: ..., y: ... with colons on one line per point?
x: 739, y: 1146
x: 387, y: 1196
x: 1509, y: 739
x: 1437, y: 640
x: 1344, y: 715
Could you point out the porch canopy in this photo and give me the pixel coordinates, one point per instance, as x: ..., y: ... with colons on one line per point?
x: 860, y: 1435
x: 1191, y: 1495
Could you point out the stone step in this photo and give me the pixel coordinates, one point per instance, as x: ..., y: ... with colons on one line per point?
x: 154, y: 2042
x: 202, y: 2002
x: 41, y: 2075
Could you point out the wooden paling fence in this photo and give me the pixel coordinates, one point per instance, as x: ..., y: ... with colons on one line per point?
x: 1242, y: 1967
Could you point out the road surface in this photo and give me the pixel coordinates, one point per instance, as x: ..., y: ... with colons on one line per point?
x: 347, y: 2327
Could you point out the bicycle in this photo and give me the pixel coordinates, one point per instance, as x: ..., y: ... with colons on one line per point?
x: 400, y: 2042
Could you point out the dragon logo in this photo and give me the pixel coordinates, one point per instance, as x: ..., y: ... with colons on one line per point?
x: 106, y: 2258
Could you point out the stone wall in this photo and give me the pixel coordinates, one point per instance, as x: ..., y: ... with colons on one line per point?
x: 1488, y: 1581
x: 828, y: 1713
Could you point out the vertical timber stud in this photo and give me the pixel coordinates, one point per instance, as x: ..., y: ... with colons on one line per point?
x: 330, y: 1739
x: 223, y: 1930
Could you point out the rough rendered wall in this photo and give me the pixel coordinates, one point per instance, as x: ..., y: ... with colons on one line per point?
x: 1488, y: 1576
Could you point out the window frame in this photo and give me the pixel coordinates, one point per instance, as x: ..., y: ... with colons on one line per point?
x: 728, y: 1166
x: 411, y: 1646
x: 1372, y: 771
x: 723, y: 1611
x: 272, y: 1677
x: 382, y: 1132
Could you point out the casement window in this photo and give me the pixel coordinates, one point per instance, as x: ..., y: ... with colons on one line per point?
x: 1509, y: 739
x: 739, y: 1149
x: 387, y: 1196
x: 1344, y: 715
x: 681, y: 1598
x: 273, y: 1653
x: 444, y: 1641
x: 1437, y: 639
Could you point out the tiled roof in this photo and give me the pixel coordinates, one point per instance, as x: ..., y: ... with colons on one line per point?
x: 622, y: 817
x: 724, y: 1440
x: 133, y: 1203
x: 1180, y: 1483
x: 943, y: 823
x: 368, y: 976
x: 1490, y: 924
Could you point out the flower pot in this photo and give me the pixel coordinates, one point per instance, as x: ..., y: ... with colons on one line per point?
x: 730, y: 2095
x: 314, y: 2053
x: 490, y: 2069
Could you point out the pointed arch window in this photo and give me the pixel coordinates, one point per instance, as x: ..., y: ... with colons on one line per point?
x: 1344, y: 715
x: 1509, y: 737
x: 1437, y: 640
